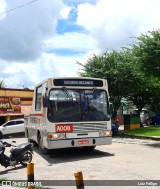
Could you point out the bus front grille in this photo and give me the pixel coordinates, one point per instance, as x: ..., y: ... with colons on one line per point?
x: 89, y: 127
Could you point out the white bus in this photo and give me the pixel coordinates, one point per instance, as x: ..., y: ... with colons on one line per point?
x: 70, y: 112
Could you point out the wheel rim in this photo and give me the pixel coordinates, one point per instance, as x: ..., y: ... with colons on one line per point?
x: 27, y: 158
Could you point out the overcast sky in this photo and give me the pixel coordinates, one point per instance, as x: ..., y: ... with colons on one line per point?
x: 46, y: 38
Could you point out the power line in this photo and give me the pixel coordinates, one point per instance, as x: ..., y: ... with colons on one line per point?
x: 19, y: 7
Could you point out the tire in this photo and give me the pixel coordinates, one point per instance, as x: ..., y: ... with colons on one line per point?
x: 42, y: 149
x: 1, y: 135
x: 89, y: 148
x: 141, y: 124
x: 27, y: 136
x: 27, y: 158
x: 148, y: 122
x: 30, y: 140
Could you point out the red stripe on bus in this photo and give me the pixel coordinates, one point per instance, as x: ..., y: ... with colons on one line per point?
x: 38, y: 115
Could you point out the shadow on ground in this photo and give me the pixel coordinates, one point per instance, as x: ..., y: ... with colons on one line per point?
x: 13, y: 136
x: 11, y: 169
x: 154, y: 145
x: 71, y: 154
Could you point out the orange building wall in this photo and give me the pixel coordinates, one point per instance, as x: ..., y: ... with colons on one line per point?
x: 25, y: 95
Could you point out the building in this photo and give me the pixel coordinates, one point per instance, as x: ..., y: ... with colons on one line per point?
x: 14, y: 103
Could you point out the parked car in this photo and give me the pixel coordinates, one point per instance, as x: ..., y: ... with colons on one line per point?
x: 12, y: 127
x: 146, y: 116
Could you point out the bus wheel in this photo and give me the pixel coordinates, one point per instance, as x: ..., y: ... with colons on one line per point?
x: 27, y: 135
x: 1, y: 136
x: 42, y: 149
x: 30, y: 140
x: 89, y: 148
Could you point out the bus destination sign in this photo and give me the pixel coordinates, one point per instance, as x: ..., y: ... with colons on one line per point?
x: 78, y: 82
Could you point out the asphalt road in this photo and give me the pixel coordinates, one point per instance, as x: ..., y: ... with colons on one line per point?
x: 125, y: 159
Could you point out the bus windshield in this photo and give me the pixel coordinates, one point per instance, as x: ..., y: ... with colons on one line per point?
x: 75, y: 105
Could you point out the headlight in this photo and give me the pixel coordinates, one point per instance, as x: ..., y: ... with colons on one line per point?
x: 108, y: 133
x: 56, y: 136
x: 105, y: 133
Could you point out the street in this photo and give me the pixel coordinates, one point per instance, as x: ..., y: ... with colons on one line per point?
x: 125, y: 159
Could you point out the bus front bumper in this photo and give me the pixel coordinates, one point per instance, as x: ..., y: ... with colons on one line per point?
x: 69, y: 143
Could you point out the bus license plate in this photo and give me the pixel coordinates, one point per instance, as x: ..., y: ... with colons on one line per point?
x: 80, y: 142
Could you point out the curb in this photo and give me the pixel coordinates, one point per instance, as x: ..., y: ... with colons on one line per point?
x: 123, y: 135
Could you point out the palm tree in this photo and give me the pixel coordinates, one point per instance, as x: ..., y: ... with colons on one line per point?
x: 2, y: 84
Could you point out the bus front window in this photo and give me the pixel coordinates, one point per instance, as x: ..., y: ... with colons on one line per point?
x: 94, y: 105
x: 75, y: 105
x: 63, y: 105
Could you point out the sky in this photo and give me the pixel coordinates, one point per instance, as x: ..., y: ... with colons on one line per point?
x: 46, y: 38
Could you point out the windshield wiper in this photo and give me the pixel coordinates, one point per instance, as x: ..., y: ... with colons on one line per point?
x: 67, y: 93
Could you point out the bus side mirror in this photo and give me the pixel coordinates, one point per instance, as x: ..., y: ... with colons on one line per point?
x: 45, y: 101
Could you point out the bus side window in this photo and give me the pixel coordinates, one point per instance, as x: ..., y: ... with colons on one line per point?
x: 38, y: 101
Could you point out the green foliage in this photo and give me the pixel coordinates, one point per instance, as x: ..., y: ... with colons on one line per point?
x: 131, y: 73
x: 145, y: 131
x: 154, y: 103
x: 121, y: 70
x: 2, y: 179
x: 147, y: 50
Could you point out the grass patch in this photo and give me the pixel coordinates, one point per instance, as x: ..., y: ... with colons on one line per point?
x: 2, y: 179
x: 145, y: 131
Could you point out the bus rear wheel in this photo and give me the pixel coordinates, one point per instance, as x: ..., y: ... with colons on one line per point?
x: 42, y: 149
x: 1, y: 135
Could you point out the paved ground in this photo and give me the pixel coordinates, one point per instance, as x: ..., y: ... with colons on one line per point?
x: 125, y: 159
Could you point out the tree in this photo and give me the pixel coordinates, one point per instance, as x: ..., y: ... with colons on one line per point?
x: 131, y: 73
x: 154, y: 101
x: 2, y: 84
x: 147, y: 50
x: 121, y: 71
